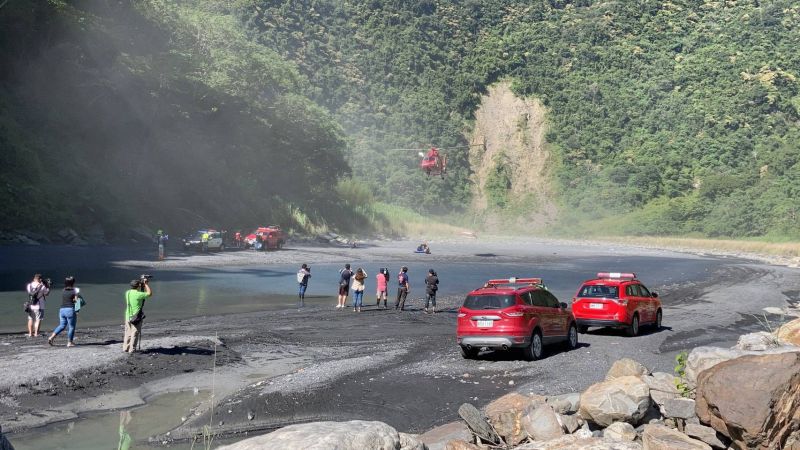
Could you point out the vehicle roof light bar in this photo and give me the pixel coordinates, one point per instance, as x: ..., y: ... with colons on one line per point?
x: 619, y: 275
x: 513, y: 280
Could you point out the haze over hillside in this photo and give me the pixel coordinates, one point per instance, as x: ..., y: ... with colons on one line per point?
x: 660, y: 117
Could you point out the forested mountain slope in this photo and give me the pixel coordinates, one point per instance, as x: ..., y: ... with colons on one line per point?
x: 665, y: 117
x: 662, y: 117
x: 119, y: 114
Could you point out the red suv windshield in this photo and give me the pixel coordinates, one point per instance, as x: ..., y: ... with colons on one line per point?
x: 489, y: 301
x: 598, y: 291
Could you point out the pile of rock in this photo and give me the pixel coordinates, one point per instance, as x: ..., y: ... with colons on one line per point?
x: 745, y: 397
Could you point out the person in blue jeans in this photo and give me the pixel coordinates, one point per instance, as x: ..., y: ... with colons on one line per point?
x: 302, y: 279
x: 66, y: 313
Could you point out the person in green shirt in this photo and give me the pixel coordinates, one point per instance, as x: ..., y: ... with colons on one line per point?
x: 134, y: 313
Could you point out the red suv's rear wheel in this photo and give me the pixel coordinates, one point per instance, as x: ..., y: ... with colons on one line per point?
x: 535, y: 349
x: 572, y: 337
x: 633, y: 328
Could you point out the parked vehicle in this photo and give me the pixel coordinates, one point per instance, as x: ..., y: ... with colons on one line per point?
x: 618, y: 300
x: 271, y: 237
x: 514, y: 313
x: 195, y: 241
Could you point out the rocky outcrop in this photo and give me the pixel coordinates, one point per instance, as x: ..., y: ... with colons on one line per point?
x: 437, y: 438
x: 789, y: 333
x: 703, y: 358
x: 352, y: 435
x: 580, y: 443
x: 626, y: 367
x: 659, y: 437
x: 542, y: 423
x: 752, y: 400
x: 624, y: 399
x: 505, y: 414
x: 620, y: 431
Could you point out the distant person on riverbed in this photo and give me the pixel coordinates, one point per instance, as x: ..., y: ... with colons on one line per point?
x: 302, y: 279
x: 402, y: 288
x: 67, y: 316
x: 134, y: 313
x: 344, y: 285
x: 359, y: 285
x: 431, y: 286
x: 382, y: 280
x: 37, y: 293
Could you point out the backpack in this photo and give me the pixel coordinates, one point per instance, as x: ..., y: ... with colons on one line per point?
x: 33, y: 297
x: 300, y: 276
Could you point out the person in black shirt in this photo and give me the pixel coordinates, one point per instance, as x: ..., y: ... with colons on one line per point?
x: 66, y: 314
x: 344, y: 285
x: 431, y: 286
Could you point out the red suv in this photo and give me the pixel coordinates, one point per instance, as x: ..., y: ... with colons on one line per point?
x: 514, y: 313
x: 616, y: 300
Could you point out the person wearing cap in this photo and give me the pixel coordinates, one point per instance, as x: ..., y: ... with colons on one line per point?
x: 38, y: 290
x: 431, y: 286
x: 302, y: 279
x: 402, y: 288
x: 134, y: 313
x: 344, y: 285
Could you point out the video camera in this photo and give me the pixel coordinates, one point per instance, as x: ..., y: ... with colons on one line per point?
x: 143, y: 279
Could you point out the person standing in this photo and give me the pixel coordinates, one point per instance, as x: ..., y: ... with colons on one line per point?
x: 66, y: 315
x: 381, y: 281
x: 302, y: 279
x: 38, y: 291
x: 134, y: 313
x: 204, y: 242
x: 402, y: 288
x: 344, y: 285
x: 161, y: 239
x: 358, y: 289
x: 431, y: 286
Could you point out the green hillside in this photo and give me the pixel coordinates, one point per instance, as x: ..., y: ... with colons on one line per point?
x: 118, y: 115
x: 664, y: 117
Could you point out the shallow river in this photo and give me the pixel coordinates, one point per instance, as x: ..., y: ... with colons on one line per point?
x: 184, y: 292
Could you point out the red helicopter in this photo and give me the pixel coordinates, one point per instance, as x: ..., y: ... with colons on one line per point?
x: 434, y: 163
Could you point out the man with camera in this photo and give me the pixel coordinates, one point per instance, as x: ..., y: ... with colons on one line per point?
x: 134, y: 312
x: 38, y: 290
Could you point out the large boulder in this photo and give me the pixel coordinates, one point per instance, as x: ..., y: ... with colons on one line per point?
x: 703, y: 358
x: 438, y: 437
x: 662, y: 388
x: 352, y: 435
x: 752, y: 400
x: 659, y: 437
x: 626, y: 367
x: 542, y: 423
x: 505, y: 415
x: 624, y: 399
x: 580, y: 443
x: 789, y: 333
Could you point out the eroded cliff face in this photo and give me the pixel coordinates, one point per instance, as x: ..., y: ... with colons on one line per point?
x: 514, y: 158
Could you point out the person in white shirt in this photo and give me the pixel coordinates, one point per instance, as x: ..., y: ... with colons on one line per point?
x: 38, y: 291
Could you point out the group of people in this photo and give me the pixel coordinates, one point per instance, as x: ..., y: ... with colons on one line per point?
x: 71, y: 304
x: 357, y: 282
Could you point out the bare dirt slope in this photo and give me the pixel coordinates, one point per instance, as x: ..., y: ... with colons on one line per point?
x: 512, y: 130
